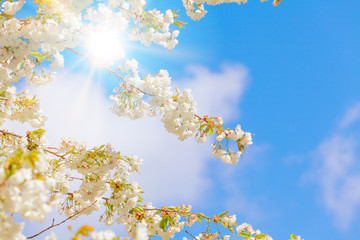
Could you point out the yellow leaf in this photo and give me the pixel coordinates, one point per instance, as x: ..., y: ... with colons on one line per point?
x: 43, y: 2
x: 88, y: 228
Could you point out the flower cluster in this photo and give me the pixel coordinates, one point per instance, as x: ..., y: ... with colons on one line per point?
x: 20, y: 107
x: 33, y: 180
x: 100, y: 170
x: 153, y: 26
x: 247, y: 231
x: 242, y: 139
x: 178, y: 110
x: 25, y: 186
x: 195, y: 8
x: 36, y: 178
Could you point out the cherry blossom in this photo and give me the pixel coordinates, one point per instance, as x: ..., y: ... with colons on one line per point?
x: 36, y: 178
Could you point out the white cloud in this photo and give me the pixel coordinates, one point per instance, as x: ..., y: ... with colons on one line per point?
x: 351, y: 116
x: 336, y: 170
x: 217, y: 94
x: 333, y: 173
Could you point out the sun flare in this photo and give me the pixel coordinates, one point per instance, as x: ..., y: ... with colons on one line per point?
x: 104, y: 46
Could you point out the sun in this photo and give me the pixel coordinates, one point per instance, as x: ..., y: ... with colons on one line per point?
x: 104, y: 45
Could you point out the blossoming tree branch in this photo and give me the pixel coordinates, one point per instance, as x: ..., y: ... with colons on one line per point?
x: 36, y: 178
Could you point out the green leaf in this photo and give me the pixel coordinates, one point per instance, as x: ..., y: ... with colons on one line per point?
x: 36, y: 54
x: 163, y: 223
x: 199, y: 217
x: 245, y: 234
x: 232, y: 230
x: 175, y: 13
x: 101, y: 147
x: 211, y: 131
x: 32, y: 158
x: 138, y: 209
x: 223, y: 214
x: 179, y: 24
x: 41, y: 56
x: 111, y: 207
x: 202, y: 215
x: 39, y: 132
x: 171, y: 221
x: 292, y: 236
x: 260, y: 236
x: 202, y: 126
x: 222, y: 223
x: 206, y: 130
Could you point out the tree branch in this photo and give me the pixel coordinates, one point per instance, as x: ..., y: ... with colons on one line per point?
x: 72, y: 178
x: 72, y: 194
x: 53, y: 153
x: 9, y: 133
x: 57, y: 224
x: 189, y: 234
x: 174, y: 211
x: 45, y: 150
x: 107, y: 69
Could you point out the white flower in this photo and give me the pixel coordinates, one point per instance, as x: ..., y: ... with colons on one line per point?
x: 226, y: 237
x: 10, y: 8
x: 103, y: 235
x: 246, y: 140
x: 229, y: 221
x: 131, y: 65
x: 58, y: 61
x: 9, y: 229
x: 226, y: 159
x: 221, y: 136
x: 141, y: 232
x: 245, y: 227
x: 218, y: 153
x: 202, y: 139
x: 238, y: 130
x: 168, y: 18
x: 51, y: 237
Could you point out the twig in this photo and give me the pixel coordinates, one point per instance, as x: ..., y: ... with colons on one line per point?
x: 200, y: 118
x: 57, y: 224
x: 72, y: 178
x: 121, y: 8
x: 53, y: 153
x: 174, y: 211
x: 9, y: 133
x: 107, y: 69
x: 72, y: 194
x: 45, y: 150
x: 189, y: 234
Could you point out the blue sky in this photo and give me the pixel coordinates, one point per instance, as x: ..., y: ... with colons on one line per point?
x: 290, y: 75
x: 302, y: 60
